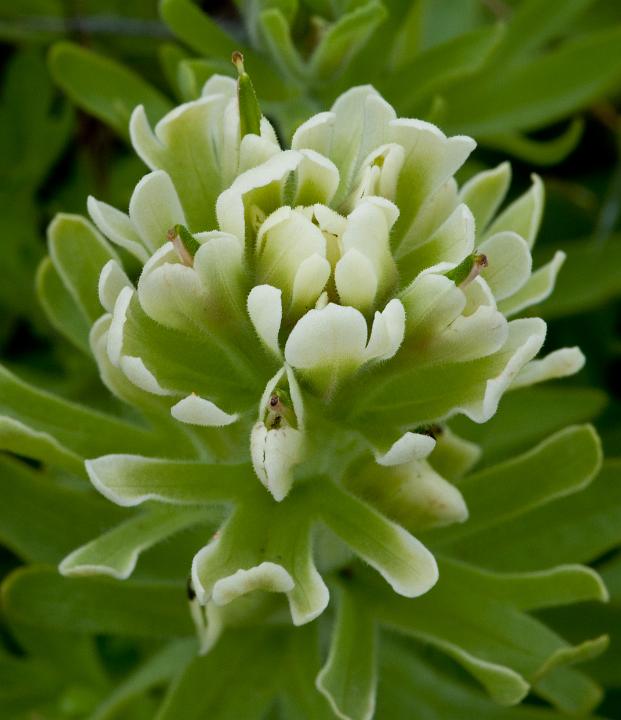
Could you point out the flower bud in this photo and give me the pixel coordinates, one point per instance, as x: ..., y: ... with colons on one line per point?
x: 277, y: 438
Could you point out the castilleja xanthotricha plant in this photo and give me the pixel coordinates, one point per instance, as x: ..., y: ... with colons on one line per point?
x: 295, y: 329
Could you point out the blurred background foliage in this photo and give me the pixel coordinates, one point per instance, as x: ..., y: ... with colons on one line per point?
x: 536, y: 80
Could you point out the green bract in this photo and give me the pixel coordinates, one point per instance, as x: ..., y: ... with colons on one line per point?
x: 294, y: 329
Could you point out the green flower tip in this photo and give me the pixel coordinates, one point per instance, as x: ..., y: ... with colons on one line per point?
x: 184, y: 243
x: 249, y: 110
x: 468, y: 270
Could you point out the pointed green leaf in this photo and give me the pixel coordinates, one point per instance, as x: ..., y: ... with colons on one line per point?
x: 22, y: 440
x: 276, y: 33
x: 349, y: 677
x: 590, y: 278
x: 592, y: 619
x: 559, y: 466
x: 527, y: 416
x: 116, y: 552
x: 80, y: 430
x: 438, y: 67
x: 197, y: 29
x: 299, y: 696
x: 206, y: 37
x: 504, y: 648
x: 530, y: 95
x: 539, y: 152
x: 247, y: 101
x: 34, y: 128
x: 344, y: 39
x: 400, y: 558
x: 155, y: 671
x: 411, y: 685
x: 132, y: 479
x: 79, y: 252
x: 60, y: 306
x: 170, y: 56
x: 104, y: 88
x: 562, y: 585
x: 532, y: 24
x: 576, y: 528
x: 571, y: 691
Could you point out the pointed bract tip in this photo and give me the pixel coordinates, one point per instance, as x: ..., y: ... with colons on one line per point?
x: 237, y: 59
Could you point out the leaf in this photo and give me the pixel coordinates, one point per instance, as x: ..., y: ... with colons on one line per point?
x: 403, y: 561
x: 210, y: 686
x: 21, y: 440
x: 39, y: 596
x: 590, y: 278
x: 196, y: 28
x: 527, y: 416
x: 170, y: 57
x: 349, y: 677
x: 42, y: 520
x: 276, y: 34
x: 193, y: 73
x: 562, y: 585
x: 413, y: 685
x: 482, y: 627
x: 571, y: 691
x: 539, y: 152
x: 559, y: 466
x: 33, y: 129
x: 132, y: 479
x: 298, y: 692
x: 80, y: 430
x: 104, y: 88
x: 576, y: 528
x: 547, y: 89
x: 79, y: 252
x: 532, y: 24
x: 438, y: 67
x: 252, y: 9
x: 408, y: 36
x: 116, y: 552
x: 204, y: 36
x: 60, y: 307
x: 344, y: 39
x: 158, y: 669
x: 593, y: 620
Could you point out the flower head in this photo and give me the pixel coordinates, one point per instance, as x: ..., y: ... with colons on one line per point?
x: 302, y: 324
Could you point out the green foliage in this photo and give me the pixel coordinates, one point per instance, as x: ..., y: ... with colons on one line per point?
x: 513, y: 612
x: 32, y: 136
x: 105, y: 89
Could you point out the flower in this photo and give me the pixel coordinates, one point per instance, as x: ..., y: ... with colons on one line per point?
x: 297, y: 327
